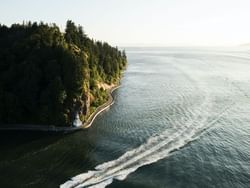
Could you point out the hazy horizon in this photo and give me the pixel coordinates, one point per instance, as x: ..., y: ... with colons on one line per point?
x: 143, y: 22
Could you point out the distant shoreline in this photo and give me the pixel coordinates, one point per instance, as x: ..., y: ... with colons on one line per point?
x: 57, y: 129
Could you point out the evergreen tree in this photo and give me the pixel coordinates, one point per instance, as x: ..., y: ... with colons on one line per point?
x: 46, y: 75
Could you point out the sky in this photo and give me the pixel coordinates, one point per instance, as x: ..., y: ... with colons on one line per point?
x: 142, y: 22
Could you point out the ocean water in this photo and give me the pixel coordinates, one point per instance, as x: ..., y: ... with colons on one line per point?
x: 181, y: 119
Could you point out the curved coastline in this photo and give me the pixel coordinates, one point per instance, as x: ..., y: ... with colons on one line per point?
x: 52, y: 128
x: 101, y: 108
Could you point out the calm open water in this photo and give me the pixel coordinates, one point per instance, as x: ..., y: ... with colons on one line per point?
x: 181, y: 119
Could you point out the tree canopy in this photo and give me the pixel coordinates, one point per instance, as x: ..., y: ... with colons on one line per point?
x: 46, y: 75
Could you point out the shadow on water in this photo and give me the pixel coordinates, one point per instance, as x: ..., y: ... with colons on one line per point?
x: 20, y: 141
x: 38, y: 159
x: 22, y: 137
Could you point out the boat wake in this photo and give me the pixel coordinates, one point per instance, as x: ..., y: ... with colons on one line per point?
x: 156, y: 148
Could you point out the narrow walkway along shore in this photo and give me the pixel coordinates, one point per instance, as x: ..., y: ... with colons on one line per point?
x: 101, y: 108
x: 52, y: 128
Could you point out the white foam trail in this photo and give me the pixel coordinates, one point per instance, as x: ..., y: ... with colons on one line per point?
x: 154, y: 149
x: 132, y: 160
x: 120, y: 172
x: 155, y: 142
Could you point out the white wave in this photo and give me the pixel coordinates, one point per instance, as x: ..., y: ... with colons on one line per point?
x: 119, y: 169
x: 156, y: 148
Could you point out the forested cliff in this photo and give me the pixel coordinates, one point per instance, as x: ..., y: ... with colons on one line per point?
x: 47, y: 76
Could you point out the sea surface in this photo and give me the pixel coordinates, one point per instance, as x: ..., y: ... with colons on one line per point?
x: 181, y: 119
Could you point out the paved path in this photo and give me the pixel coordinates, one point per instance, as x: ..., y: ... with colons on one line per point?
x: 51, y: 128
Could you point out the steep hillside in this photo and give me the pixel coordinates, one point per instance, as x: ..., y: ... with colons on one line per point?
x: 48, y: 77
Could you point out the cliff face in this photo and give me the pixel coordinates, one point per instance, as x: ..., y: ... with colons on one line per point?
x: 46, y: 76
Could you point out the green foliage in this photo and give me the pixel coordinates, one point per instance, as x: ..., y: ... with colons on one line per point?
x: 101, y: 97
x: 46, y: 76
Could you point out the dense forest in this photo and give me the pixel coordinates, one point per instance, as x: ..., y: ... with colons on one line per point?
x: 47, y: 76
